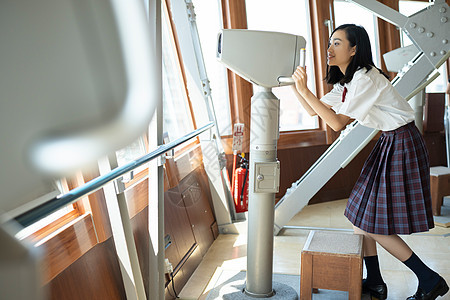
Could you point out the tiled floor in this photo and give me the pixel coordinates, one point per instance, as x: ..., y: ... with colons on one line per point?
x: 229, y: 252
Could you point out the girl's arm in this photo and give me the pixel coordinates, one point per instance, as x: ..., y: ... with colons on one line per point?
x: 305, y: 104
x: 335, y: 121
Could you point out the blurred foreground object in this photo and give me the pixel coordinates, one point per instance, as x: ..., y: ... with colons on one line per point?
x: 76, y: 84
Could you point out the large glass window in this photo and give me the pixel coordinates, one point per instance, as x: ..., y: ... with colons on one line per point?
x: 177, y: 116
x: 55, y: 220
x: 349, y: 13
x: 59, y: 214
x: 135, y: 150
x: 209, y: 22
x: 411, y: 7
x: 289, y: 16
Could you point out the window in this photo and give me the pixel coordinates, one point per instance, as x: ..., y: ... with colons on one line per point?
x: 289, y: 16
x: 176, y: 113
x: 411, y: 7
x: 59, y: 214
x: 209, y: 22
x: 131, y: 152
x: 57, y: 219
x: 345, y: 12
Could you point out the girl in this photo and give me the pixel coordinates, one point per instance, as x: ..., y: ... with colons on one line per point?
x: 392, y: 194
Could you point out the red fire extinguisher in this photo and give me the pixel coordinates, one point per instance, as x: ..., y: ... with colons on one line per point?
x: 240, y: 193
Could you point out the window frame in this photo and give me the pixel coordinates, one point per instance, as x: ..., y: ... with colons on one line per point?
x: 241, y: 91
x: 321, y: 12
x: 76, y: 225
x: 174, y: 39
x: 78, y: 208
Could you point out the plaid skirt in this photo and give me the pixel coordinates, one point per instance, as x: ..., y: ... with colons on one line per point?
x: 392, y: 193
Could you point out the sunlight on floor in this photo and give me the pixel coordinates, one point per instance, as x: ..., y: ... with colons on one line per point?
x: 229, y: 253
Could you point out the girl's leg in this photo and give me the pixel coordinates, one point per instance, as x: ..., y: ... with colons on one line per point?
x: 392, y: 244
x: 428, y: 279
x: 370, y: 245
x: 374, y: 278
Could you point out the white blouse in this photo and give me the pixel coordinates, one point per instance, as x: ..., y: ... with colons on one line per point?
x: 372, y: 100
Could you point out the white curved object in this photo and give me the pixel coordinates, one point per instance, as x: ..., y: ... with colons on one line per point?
x: 77, y: 82
x: 60, y: 154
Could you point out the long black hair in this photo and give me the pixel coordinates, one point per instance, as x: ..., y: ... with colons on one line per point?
x: 357, y: 36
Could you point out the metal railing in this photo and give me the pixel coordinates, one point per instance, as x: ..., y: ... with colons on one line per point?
x: 89, y: 187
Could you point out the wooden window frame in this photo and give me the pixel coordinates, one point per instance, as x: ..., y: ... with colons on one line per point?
x: 234, y: 16
x: 241, y: 91
x: 66, y: 239
x: 79, y: 208
x: 390, y: 39
x: 172, y: 173
x: 70, y: 236
x: 179, y: 58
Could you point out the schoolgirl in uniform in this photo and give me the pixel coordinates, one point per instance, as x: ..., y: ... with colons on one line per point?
x: 392, y: 194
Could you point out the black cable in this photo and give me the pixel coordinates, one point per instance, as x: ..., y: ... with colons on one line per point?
x: 243, y: 185
x: 244, y: 164
x: 168, y: 290
x: 173, y: 285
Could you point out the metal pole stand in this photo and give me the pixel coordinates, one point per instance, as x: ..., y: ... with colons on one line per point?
x: 263, y: 184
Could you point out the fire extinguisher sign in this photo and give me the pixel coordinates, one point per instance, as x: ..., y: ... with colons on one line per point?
x: 238, y: 137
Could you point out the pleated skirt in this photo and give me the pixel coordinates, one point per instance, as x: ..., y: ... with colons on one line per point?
x: 392, y: 194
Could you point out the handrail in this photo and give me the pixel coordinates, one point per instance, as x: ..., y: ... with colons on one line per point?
x: 95, y: 184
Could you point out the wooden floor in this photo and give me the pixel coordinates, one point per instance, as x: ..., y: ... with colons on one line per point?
x: 229, y: 252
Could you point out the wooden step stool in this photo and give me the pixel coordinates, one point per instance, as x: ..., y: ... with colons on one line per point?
x: 440, y: 187
x: 332, y: 261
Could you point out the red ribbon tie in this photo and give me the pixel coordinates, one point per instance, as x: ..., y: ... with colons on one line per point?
x: 344, y: 93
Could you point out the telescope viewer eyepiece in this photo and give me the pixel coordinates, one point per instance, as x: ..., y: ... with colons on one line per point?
x: 265, y: 58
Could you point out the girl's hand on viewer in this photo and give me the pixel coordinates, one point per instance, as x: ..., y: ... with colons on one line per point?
x: 300, y: 79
